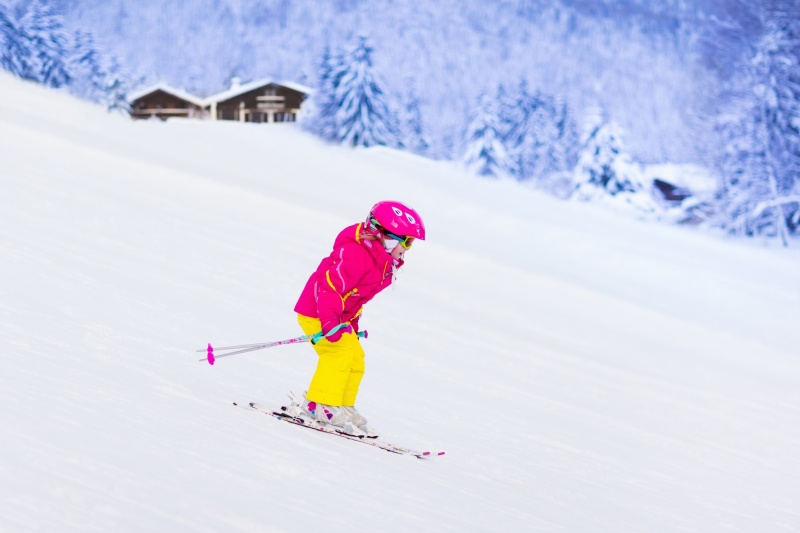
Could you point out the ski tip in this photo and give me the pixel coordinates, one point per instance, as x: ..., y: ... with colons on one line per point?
x: 440, y: 453
x: 211, y: 358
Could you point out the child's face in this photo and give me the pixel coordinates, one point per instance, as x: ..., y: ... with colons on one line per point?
x: 398, y: 251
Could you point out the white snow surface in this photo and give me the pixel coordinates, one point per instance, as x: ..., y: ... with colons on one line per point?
x: 582, y: 370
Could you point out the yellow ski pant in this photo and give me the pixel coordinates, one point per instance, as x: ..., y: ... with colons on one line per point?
x: 339, y: 369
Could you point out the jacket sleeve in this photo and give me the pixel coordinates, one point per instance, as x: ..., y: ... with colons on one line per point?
x: 338, y: 281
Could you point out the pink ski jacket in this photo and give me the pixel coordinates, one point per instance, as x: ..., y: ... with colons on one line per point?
x: 351, y: 276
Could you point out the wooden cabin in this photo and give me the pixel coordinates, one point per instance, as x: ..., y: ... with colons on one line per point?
x: 670, y: 193
x: 163, y: 101
x: 258, y: 101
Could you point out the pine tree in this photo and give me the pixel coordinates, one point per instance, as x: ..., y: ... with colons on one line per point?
x: 761, y: 160
x: 486, y: 154
x: 521, y: 145
x: 539, y: 133
x: 38, y: 49
x: 567, y: 144
x: 116, y: 87
x: 513, y: 112
x: 603, y: 166
x: 542, y: 138
x: 745, y: 181
x: 507, y: 112
x: 414, y: 137
x: 558, y: 145
x: 543, y: 134
x: 15, y: 53
x: 777, y: 64
x: 363, y: 117
x: 88, y: 77
x: 47, y: 39
x: 320, y: 110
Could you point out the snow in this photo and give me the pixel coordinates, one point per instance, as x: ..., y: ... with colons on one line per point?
x: 167, y: 89
x: 583, y: 371
x: 237, y: 89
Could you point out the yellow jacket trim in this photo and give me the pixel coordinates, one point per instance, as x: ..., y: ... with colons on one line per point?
x: 328, y: 277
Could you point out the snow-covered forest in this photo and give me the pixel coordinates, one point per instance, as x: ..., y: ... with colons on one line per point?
x: 38, y: 45
x: 578, y: 99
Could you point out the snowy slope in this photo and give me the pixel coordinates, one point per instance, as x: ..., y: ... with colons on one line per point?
x: 584, y: 372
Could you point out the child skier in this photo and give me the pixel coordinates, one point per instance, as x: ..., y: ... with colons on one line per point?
x: 363, y: 262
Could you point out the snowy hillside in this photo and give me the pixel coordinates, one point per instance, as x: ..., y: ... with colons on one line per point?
x: 583, y: 372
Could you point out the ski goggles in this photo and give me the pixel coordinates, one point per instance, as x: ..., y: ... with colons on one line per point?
x: 405, y: 242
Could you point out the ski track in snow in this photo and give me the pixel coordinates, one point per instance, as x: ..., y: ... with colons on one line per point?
x: 583, y: 371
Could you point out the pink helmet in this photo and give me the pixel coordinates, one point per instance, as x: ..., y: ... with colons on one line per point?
x: 398, y: 218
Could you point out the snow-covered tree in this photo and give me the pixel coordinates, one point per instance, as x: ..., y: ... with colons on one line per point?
x: 515, y: 110
x: 15, y: 52
x: 95, y: 76
x: 47, y: 40
x: 363, y: 117
x: 485, y: 153
x: 761, y: 127
x: 604, y: 167
x: 85, y: 66
x: 607, y: 174
x: 510, y: 113
x: 564, y: 153
x: 38, y: 48
x: 116, y: 87
x: 414, y: 136
x: 540, y: 135
x: 777, y: 65
x: 550, y: 144
x: 319, y: 111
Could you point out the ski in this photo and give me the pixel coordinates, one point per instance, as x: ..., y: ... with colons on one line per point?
x: 374, y: 442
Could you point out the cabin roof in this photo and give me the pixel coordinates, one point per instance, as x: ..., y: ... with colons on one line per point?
x: 251, y: 86
x: 183, y: 95
x: 696, y: 178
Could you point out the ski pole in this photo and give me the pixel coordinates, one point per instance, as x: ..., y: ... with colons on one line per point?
x: 211, y: 356
x: 235, y: 347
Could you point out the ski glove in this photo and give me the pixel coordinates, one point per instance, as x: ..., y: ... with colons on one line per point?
x: 332, y: 323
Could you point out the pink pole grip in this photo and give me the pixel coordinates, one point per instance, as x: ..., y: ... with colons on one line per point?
x: 210, y: 354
